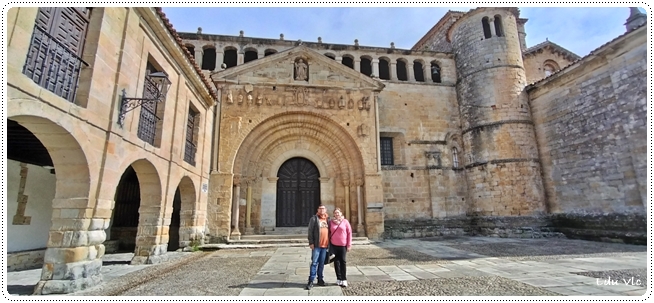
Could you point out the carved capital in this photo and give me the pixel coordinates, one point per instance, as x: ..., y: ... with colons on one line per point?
x: 273, y: 179
x: 346, y: 182
x: 359, y: 181
x: 324, y: 179
x: 237, y: 180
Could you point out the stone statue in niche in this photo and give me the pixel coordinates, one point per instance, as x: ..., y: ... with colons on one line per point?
x: 320, y: 100
x: 260, y: 99
x: 268, y: 102
x: 301, y: 70
x: 230, y: 98
x: 364, y: 130
x: 341, y: 103
x: 250, y: 98
x: 332, y: 103
x: 364, y: 103
x: 240, y: 99
x: 300, y: 96
x: 350, y: 104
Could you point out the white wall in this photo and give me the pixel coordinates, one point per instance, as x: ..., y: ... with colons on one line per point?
x: 40, y: 189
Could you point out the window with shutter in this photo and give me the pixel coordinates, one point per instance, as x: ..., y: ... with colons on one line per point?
x: 191, y: 134
x: 54, y: 56
x: 148, y: 118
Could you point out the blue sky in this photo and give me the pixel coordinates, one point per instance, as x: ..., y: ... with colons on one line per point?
x: 580, y: 30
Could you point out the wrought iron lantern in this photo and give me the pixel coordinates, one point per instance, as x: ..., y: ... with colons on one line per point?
x: 156, y: 88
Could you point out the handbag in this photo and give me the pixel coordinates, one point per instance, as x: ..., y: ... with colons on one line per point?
x: 330, y: 248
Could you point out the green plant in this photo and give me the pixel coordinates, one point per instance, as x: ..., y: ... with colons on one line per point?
x: 195, y: 245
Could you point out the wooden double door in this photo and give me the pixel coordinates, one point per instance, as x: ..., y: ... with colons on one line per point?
x: 298, y: 192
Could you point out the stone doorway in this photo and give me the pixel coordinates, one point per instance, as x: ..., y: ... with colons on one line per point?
x: 125, y: 218
x: 173, y: 229
x: 298, y: 192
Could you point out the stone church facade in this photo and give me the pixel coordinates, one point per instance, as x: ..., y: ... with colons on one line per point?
x: 145, y: 139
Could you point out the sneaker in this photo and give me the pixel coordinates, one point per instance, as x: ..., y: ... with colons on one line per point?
x: 309, y: 285
x: 321, y: 282
x: 344, y: 283
x: 339, y: 282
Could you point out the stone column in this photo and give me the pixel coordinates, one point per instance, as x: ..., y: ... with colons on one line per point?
x: 357, y: 64
x: 220, y: 57
x: 375, y: 67
x: 346, y: 184
x: 240, y: 59
x: 339, y: 60
x: 359, y: 209
x: 235, y: 234
x: 198, y: 56
x: 409, y: 72
x: 426, y: 72
x: 248, y: 210
x: 73, y: 257
x: 393, y: 70
x: 491, y: 24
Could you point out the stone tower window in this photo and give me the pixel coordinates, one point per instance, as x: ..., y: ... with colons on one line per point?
x: 366, y: 66
x: 486, y: 26
x: 209, y: 59
x: 499, y: 29
x: 455, y: 157
x: 418, y: 72
x: 250, y: 55
x: 348, y: 61
x: 230, y: 58
x: 401, y: 70
x: 384, y: 69
x: 435, y: 72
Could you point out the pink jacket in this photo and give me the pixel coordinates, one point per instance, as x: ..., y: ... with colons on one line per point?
x: 341, y: 236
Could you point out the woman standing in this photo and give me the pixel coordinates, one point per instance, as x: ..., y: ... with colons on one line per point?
x: 341, y: 241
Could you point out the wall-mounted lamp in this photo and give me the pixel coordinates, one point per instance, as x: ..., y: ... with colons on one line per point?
x: 156, y: 87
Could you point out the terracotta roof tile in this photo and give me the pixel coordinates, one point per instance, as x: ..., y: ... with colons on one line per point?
x: 190, y: 57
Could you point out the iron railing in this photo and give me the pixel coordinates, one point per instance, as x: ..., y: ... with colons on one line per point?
x: 52, y: 65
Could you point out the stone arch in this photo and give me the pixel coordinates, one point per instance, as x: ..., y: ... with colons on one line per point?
x: 436, y: 71
x: 385, y: 68
x: 330, y: 55
x: 348, y: 60
x: 269, y: 51
x: 148, y: 236
x: 230, y: 56
x: 182, y: 221
x: 299, y: 125
x: 419, y: 70
x: 70, y: 161
x: 250, y: 54
x: 401, y: 69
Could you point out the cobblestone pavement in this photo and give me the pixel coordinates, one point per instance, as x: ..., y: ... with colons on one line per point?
x: 458, y: 266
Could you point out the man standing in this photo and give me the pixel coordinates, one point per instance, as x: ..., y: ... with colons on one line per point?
x: 318, y: 242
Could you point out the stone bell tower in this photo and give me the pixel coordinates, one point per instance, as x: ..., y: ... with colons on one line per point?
x: 501, y: 156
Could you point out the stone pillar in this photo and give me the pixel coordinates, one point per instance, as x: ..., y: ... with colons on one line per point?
x: 409, y: 72
x: 339, y: 60
x: 346, y: 184
x: 426, y: 72
x: 393, y: 71
x: 149, y: 247
x: 73, y: 257
x: 198, y: 56
x: 357, y: 64
x: 235, y: 234
x: 220, y: 57
x: 359, y: 210
x: 375, y: 67
x: 240, y: 58
x: 491, y: 24
x: 248, y: 210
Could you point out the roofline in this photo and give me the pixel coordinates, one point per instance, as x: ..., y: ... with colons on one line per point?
x: 435, y: 28
x: 588, y: 57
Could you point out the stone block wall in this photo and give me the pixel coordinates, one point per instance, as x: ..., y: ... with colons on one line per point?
x: 23, y: 260
x: 591, y: 125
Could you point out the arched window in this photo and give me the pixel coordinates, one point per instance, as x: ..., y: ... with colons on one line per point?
x: 331, y: 56
x: 455, y: 157
x: 366, y: 66
x: 384, y: 69
x: 550, y: 67
x: 486, y: 27
x: 209, y: 59
x: 269, y: 52
x: 499, y: 29
x: 250, y: 55
x: 435, y: 72
x: 418, y: 72
x: 230, y: 57
x: 348, y: 61
x: 401, y: 70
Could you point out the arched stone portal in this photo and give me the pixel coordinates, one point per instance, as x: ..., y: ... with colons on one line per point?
x: 298, y: 192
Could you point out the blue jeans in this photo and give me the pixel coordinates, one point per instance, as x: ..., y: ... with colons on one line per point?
x: 317, y: 263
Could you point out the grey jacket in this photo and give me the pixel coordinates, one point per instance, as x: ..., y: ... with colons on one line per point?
x: 314, y: 230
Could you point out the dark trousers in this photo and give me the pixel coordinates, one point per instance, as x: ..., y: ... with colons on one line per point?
x: 339, y: 262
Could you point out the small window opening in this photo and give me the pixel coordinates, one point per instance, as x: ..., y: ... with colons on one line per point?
x: 499, y: 29
x: 250, y: 56
x: 349, y: 62
x: 435, y: 73
x: 209, y: 59
x: 418, y: 72
x: 401, y: 71
x: 486, y: 27
x: 384, y: 69
x: 230, y: 58
x: 366, y: 66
